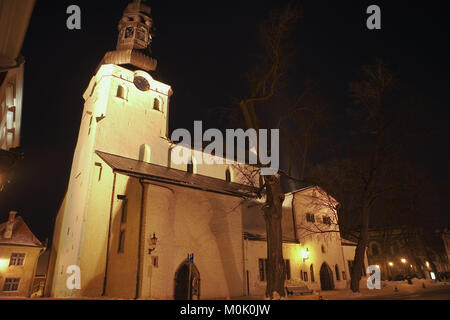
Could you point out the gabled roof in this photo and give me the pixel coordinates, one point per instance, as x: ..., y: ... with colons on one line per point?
x: 149, y: 171
x: 254, y: 225
x: 21, y: 235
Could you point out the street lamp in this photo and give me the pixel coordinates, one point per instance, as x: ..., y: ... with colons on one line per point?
x: 403, y: 260
x: 391, y: 264
x: 153, y: 241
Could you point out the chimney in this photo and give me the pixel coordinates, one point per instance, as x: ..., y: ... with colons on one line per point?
x: 9, y: 225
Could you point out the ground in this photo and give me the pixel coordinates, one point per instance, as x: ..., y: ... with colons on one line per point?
x: 419, y: 290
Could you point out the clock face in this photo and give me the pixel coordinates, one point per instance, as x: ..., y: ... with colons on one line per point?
x: 141, y: 83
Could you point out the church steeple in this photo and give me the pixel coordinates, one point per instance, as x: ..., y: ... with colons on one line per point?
x: 135, y: 37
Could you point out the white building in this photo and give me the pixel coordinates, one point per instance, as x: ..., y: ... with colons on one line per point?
x: 125, y: 192
x: 14, y: 20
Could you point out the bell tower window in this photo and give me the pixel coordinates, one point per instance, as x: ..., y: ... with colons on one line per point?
x: 156, y: 104
x: 129, y: 32
x: 121, y: 92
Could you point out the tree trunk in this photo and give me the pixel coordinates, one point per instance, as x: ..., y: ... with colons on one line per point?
x: 272, y: 217
x: 358, y: 262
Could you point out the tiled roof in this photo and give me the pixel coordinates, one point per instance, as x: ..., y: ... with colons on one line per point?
x: 21, y: 234
x: 163, y: 174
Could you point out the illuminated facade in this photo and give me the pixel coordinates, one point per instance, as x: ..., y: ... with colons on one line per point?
x: 14, y: 19
x: 316, y: 256
x: 19, y: 253
x: 124, y: 187
x: 131, y: 216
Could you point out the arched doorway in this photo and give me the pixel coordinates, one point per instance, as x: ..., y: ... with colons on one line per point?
x: 326, y: 277
x: 187, y: 282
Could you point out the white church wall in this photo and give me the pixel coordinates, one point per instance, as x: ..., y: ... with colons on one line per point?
x: 209, y: 225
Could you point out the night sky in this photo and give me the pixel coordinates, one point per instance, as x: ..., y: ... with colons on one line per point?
x: 204, y: 50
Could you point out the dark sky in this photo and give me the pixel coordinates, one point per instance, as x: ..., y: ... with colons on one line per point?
x: 203, y: 51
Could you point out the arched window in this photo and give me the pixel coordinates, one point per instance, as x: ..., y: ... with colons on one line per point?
x: 228, y: 175
x: 336, y: 270
x: 311, y: 271
x: 121, y: 92
x: 156, y: 104
x: 375, y: 250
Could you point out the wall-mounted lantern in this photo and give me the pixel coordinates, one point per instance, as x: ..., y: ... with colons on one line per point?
x: 153, y: 242
x: 304, y: 254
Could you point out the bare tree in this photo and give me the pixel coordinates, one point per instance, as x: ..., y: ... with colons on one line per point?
x: 264, y: 82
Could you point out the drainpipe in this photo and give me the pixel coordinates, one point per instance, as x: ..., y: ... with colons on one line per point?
x: 109, y: 236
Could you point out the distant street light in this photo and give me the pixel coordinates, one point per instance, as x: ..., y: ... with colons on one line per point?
x: 403, y: 260
x: 391, y: 264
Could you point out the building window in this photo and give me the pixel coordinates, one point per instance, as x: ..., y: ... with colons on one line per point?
x: 375, y: 250
x: 228, y: 175
x: 311, y: 271
x: 262, y: 263
x: 310, y: 217
x: 90, y: 126
x: 301, y: 274
x: 287, y: 269
x: 327, y: 220
x: 323, y: 249
x: 344, y: 275
x: 124, y: 207
x: 191, y: 166
x: 121, y: 92
x: 155, y: 261
x: 129, y: 33
x: 157, y: 104
x: 17, y: 259
x: 11, y: 284
x: 336, y: 270
x: 305, y: 276
x: 121, y: 241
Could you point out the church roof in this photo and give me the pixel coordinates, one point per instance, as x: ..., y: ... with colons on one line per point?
x: 163, y: 174
x: 21, y: 234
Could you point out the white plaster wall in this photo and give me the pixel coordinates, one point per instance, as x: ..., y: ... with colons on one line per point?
x: 206, y: 224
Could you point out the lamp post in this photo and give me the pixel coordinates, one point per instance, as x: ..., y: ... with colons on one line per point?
x: 153, y: 241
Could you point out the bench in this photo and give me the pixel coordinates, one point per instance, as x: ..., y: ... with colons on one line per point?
x: 298, y: 290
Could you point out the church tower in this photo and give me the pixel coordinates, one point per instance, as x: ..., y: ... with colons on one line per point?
x: 126, y: 113
x: 135, y: 38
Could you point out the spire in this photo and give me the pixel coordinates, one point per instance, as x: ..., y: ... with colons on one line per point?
x: 135, y: 37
